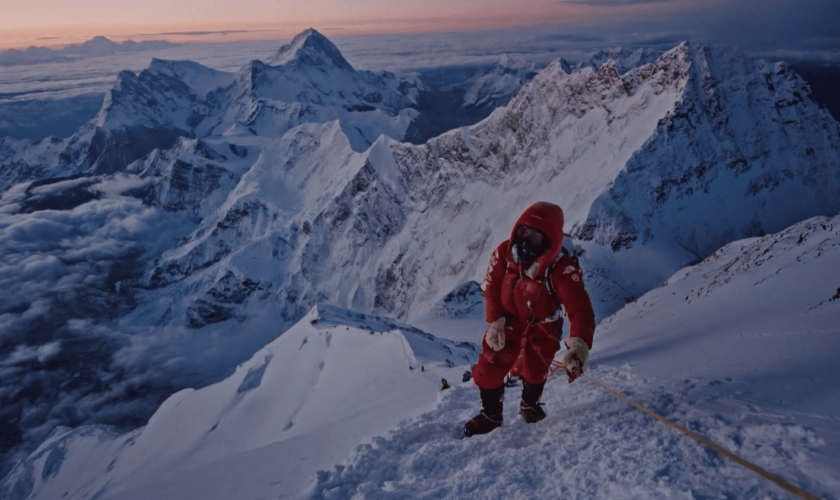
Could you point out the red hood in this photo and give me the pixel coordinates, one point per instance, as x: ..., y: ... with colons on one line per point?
x: 548, y: 219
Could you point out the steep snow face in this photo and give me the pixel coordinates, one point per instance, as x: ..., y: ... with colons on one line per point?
x: 763, y: 298
x: 749, y: 163
x: 746, y: 151
x: 655, y: 168
x: 300, y: 404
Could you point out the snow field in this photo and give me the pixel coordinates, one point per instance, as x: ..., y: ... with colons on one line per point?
x: 740, y: 349
x: 590, y: 446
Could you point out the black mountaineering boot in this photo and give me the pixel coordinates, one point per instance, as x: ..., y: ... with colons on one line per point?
x: 490, y: 415
x: 530, y: 407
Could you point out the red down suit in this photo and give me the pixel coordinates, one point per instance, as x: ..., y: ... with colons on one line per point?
x: 533, y: 299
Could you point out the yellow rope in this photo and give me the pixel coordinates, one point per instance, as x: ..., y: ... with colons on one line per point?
x: 705, y: 442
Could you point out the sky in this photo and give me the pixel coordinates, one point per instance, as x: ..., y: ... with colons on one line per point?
x: 796, y: 25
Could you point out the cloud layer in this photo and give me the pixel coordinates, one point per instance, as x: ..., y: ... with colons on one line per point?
x: 64, y: 248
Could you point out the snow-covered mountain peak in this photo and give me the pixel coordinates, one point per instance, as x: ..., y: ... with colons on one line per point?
x: 624, y: 59
x: 99, y: 41
x: 310, y: 48
x: 201, y: 79
x: 498, y: 84
x: 311, y: 82
x: 506, y: 61
x: 96, y: 46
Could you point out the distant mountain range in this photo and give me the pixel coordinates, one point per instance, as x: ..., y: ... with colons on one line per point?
x: 98, y: 46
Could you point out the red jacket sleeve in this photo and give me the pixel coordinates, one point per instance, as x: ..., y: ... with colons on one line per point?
x: 493, y: 308
x: 567, y: 279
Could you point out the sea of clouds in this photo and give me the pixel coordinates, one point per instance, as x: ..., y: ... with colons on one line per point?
x: 64, y: 249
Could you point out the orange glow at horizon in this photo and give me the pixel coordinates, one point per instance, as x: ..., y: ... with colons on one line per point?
x: 56, y: 23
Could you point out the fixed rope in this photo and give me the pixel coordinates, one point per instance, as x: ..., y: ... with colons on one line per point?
x: 790, y: 488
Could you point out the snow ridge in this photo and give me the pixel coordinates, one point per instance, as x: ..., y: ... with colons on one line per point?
x: 280, y: 403
x: 623, y: 59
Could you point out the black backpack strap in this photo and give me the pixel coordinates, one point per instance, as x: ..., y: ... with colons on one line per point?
x: 567, y: 250
x: 550, y: 287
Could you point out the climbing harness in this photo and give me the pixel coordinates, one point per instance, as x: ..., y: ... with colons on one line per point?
x: 790, y: 488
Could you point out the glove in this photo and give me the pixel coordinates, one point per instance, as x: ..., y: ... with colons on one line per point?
x: 495, y: 334
x: 576, y: 359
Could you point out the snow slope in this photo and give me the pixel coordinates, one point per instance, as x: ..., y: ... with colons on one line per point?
x: 721, y: 349
x: 740, y: 348
x: 301, y: 403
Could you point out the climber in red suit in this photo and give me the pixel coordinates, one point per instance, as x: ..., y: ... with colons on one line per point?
x: 531, y: 281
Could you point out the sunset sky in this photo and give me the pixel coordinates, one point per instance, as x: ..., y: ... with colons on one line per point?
x: 798, y: 23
